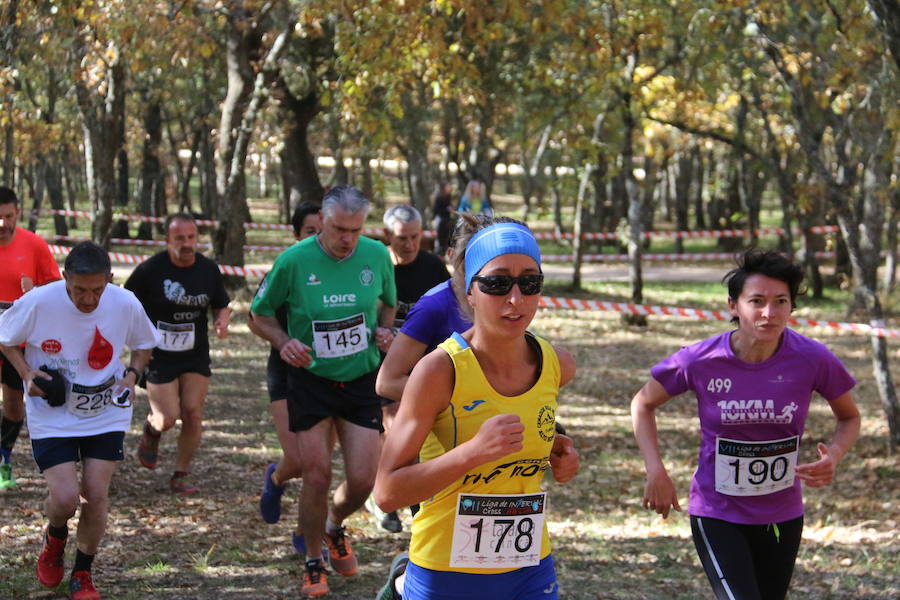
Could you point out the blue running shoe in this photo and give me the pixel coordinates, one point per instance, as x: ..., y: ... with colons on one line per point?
x: 299, y: 544
x: 270, y: 499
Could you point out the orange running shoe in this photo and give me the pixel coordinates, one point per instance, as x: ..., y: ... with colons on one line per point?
x: 50, y: 562
x: 343, y: 560
x: 315, y: 579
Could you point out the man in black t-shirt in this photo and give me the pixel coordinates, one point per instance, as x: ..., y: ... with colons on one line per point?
x: 415, y: 270
x: 177, y: 287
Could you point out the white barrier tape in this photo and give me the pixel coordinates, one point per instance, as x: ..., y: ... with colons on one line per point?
x: 700, y: 314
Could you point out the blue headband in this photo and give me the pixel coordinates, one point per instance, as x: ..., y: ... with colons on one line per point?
x: 497, y: 240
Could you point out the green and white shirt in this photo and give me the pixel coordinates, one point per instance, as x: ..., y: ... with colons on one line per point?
x: 332, y: 305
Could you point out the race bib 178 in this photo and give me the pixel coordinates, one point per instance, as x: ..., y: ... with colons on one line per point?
x: 497, y: 532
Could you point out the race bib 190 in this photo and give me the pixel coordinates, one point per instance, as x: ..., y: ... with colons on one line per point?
x: 755, y: 468
x: 86, y: 401
x: 175, y: 337
x: 498, y: 532
x: 341, y: 337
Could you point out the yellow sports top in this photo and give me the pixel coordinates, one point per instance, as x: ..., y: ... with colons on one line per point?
x: 474, y: 401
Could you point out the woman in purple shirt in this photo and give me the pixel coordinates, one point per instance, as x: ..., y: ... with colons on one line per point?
x: 753, y: 387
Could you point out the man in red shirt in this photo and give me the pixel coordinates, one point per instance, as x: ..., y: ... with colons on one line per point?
x: 25, y: 262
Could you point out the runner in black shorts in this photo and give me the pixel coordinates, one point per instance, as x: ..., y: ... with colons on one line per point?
x: 333, y: 284
x: 78, y: 400
x: 305, y: 222
x: 177, y: 287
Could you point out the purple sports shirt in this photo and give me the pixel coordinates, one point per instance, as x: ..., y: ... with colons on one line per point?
x: 751, y: 420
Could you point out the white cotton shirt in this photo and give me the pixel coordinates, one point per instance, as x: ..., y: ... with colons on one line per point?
x: 57, y: 334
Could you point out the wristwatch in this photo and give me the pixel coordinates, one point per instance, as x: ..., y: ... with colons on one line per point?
x: 137, y: 374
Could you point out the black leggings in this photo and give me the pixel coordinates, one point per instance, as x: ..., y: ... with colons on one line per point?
x: 747, y: 562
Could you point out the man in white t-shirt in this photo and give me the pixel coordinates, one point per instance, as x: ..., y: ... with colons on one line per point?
x: 78, y: 397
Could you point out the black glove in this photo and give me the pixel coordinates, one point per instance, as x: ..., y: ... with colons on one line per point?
x: 54, y: 389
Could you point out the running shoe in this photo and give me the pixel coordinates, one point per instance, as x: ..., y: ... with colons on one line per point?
x: 148, y: 449
x: 81, y: 587
x: 315, y: 578
x: 6, y: 477
x: 391, y: 522
x: 343, y: 560
x: 50, y: 562
x: 270, y: 499
x: 181, y: 484
x: 398, y: 568
x: 299, y: 544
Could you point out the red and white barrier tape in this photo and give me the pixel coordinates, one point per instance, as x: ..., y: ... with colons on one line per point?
x: 571, y: 303
x: 687, y: 257
x: 157, y: 243
x: 700, y: 314
x: 541, y: 235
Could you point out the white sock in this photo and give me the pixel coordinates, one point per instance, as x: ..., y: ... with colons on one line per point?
x: 330, y: 527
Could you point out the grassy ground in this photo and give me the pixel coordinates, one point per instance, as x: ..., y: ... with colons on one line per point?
x: 215, y: 546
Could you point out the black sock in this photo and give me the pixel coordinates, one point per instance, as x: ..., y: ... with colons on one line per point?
x: 83, y: 561
x: 59, y: 533
x: 178, y: 474
x: 9, y: 432
x: 148, y: 430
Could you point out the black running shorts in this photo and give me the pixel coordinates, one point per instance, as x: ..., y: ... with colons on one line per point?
x: 164, y: 370
x: 276, y: 376
x: 49, y: 452
x: 9, y: 376
x: 312, y: 398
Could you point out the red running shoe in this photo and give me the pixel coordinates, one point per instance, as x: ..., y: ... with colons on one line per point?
x: 81, y: 587
x: 148, y: 449
x: 50, y: 562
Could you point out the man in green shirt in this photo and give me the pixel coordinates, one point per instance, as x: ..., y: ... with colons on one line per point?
x: 341, y: 299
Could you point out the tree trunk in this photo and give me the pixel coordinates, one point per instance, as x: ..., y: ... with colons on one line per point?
x: 578, y: 226
x: 101, y: 119
x: 340, y: 175
x: 699, y: 188
x: 299, y: 175
x: 9, y: 157
x: 243, y: 102
x: 120, y: 227
x: 9, y: 42
x: 151, y: 172
x: 635, y: 208
x: 685, y: 167
x: 54, y: 187
x: 890, y: 268
x: 208, y: 189
x: 184, y: 193
x: 36, y: 183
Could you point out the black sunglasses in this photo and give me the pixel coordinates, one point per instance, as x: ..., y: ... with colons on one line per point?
x: 500, y: 285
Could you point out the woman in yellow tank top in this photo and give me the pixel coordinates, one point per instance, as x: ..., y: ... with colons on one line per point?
x: 489, y: 398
